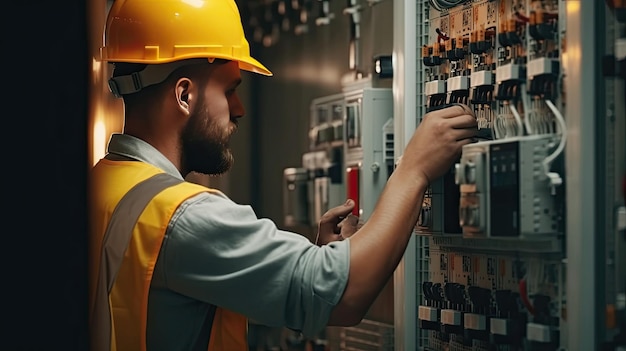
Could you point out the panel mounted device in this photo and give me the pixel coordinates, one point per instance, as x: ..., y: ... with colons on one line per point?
x: 368, y: 114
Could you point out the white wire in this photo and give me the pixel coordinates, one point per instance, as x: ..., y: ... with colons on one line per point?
x: 531, y: 119
x: 494, y: 134
x: 550, y: 125
x: 496, y: 127
x: 511, y: 129
x: 499, y: 124
x: 538, y: 118
x: 518, y: 119
x: 561, y: 122
x: 527, y: 111
x: 528, y: 118
x: 534, y: 121
x: 508, y: 126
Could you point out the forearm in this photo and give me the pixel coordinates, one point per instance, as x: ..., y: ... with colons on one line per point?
x: 376, y: 249
x: 378, y: 246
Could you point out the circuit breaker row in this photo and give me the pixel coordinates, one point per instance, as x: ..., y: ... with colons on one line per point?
x: 502, y: 58
x: 490, y: 300
x: 491, y: 285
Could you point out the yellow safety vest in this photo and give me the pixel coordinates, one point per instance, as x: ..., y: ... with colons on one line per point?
x: 128, y: 298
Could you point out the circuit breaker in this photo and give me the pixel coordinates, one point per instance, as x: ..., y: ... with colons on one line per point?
x: 505, y: 190
x: 493, y: 225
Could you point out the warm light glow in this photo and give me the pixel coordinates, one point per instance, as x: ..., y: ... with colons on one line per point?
x: 564, y: 61
x: 96, y: 66
x: 96, y: 69
x: 572, y: 59
x: 99, y: 139
x: 194, y: 3
x: 572, y: 7
x: 571, y: 56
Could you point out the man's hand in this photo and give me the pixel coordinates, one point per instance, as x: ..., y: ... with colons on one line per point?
x: 337, y: 224
x: 439, y: 140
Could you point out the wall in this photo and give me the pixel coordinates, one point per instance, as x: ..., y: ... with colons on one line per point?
x: 45, y: 71
x: 305, y: 67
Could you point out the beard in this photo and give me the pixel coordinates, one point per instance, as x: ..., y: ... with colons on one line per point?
x: 205, y: 146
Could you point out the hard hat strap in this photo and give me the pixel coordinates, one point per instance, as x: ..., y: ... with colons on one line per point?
x: 152, y: 74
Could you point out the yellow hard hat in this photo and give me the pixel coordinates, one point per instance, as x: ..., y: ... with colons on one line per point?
x: 164, y: 31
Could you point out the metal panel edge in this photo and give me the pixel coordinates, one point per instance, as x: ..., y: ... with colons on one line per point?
x: 404, y: 59
x: 580, y: 84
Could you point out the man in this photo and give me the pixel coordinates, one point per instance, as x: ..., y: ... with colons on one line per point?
x: 196, y: 265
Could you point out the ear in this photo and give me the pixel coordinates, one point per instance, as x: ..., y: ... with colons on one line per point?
x: 184, y: 95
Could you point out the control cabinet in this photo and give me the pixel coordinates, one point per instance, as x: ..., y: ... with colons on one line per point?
x: 519, y: 246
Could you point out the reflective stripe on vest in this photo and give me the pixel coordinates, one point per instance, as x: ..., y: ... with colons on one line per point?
x: 128, y: 298
x: 116, y: 238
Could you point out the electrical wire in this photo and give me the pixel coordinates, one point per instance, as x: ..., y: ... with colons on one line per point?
x: 561, y: 123
x: 555, y: 178
x: 441, y: 5
x: 518, y: 119
x: 441, y: 36
x: 499, y: 126
x: 523, y: 293
x: 527, y: 111
x: 538, y: 118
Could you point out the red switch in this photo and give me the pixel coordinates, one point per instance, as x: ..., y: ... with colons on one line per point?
x: 352, y: 187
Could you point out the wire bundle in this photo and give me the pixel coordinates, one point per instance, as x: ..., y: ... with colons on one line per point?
x: 441, y: 5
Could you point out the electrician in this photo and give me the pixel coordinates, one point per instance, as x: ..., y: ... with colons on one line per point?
x: 193, y: 265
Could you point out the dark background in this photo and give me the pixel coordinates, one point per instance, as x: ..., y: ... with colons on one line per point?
x: 45, y: 81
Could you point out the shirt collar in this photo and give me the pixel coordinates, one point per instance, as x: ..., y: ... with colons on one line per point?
x: 135, y: 148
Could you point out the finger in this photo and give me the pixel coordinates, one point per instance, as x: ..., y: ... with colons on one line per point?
x: 464, y: 121
x: 462, y: 142
x: 344, y: 226
x: 465, y: 133
x: 465, y: 108
x: 453, y: 111
x: 332, y: 217
x: 349, y: 226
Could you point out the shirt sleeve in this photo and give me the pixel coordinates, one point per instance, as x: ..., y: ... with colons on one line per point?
x: 220, y: 252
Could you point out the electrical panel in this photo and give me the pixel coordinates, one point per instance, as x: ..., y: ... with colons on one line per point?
x: 613, y: 174
x: 350, y: 155
x: 318, y: 183
x: 368, y: 135
x: 493, y: 226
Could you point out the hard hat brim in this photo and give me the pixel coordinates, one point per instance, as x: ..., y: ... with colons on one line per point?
x: 247, y: 63
x: 252, y: 65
